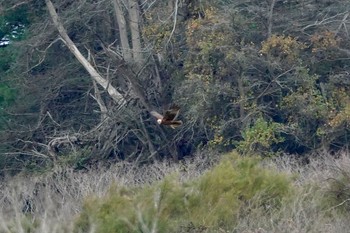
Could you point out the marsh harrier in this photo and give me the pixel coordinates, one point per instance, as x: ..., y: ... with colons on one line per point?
x: 169, y: 117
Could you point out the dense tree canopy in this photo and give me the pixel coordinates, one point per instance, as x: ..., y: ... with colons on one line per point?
x: 79, y: 78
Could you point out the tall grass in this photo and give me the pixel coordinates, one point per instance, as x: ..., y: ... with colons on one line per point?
x: 57, y: 201
x: 50, y: 202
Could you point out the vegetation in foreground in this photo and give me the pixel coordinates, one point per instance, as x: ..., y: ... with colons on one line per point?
x: 237, y: 194
x: 212, y: 201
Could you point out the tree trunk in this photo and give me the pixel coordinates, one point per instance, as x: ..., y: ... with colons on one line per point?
x: 133, y: 10
x: 115, y: 95
x: 123, y: 33
x: 270, y: 18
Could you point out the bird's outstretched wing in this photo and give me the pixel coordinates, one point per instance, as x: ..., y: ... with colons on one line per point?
x: 172, y: 113
x: 157, y: 115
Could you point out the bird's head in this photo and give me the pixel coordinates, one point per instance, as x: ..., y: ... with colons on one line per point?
x: 159, y: 121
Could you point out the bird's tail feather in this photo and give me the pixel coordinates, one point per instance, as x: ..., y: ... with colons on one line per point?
x: 175, y: 124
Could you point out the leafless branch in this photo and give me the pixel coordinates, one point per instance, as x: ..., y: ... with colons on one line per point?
x: 44, y: 54
x: 343, y: 24
x: 17, y: 5
x: 324, y: 21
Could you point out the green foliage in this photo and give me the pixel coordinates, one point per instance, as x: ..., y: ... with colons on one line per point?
x: 208, y: 39
x: 260, y: 137
x: 7, y: 57
x: 7, y: 95
x: 312, y: 111
x: 7, y: 91
x: 307, y: 100
x: 8, y: 88
x: 211, y: 201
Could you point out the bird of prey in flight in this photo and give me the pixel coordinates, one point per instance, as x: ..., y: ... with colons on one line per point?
x: 169, y: 117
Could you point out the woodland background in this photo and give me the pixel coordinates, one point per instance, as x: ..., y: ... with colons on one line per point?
x: 256, y: 76
x: 266, y: 78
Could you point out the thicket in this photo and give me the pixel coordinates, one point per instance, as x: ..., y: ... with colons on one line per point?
x: 263, y: 77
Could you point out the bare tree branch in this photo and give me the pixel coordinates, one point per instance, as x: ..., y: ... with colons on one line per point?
x: 112, y: 91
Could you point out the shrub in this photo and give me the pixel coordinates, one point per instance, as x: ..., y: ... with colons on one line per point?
x: 260, y: 137
x: 211, y: 201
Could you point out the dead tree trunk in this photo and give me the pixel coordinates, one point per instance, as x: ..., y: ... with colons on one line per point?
x: 133, y: 10
x: 123, y: 32
x: 270, y: 18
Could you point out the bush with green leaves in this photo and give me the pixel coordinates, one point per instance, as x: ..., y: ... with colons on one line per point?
x: 260, y: 137
x: 209, y: 202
